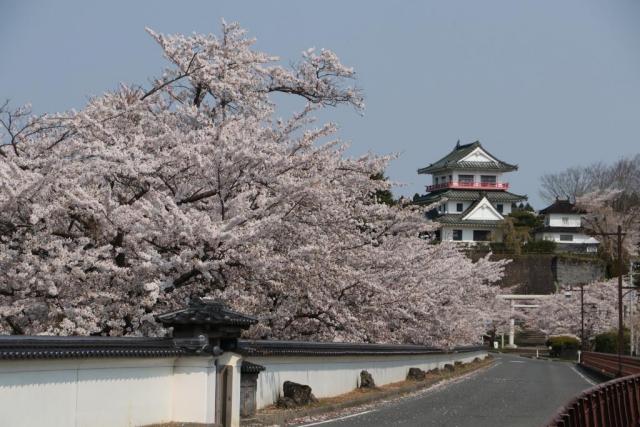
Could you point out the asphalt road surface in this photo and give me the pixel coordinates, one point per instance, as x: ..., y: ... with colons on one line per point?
x: 513, y: 392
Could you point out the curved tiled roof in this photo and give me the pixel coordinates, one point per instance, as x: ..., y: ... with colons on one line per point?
x: 562, y: 207
x: 305, y: 348
x: 493, y: 196
x: 456, y: 219
x: 54, y: 347
x: 452, y: 161
x: 251, y: 368
x: 204, y: 311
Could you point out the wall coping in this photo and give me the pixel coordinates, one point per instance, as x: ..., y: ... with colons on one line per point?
x: 307, y: 348
x: 18, y: 347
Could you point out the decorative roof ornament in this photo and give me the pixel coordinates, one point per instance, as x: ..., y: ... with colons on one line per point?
x: 206, y: 326
x: 206, y: 311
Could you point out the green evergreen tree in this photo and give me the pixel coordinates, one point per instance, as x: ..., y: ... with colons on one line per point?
x: 383, y: 196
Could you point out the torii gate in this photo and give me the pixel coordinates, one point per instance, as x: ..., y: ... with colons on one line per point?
x: 514, y: 304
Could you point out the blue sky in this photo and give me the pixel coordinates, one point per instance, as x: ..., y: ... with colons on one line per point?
x: 544, y: 84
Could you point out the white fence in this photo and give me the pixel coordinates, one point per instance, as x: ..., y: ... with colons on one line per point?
x: 332, y: 376
x: 118, y: 382
x: 107, y: 392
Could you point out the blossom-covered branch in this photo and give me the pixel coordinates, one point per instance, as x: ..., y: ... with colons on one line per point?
x: 192, y: 188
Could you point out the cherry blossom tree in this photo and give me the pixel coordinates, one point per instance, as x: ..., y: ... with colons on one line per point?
x: 561, y: 313
x: 193, y: 187
x: 606, y: 209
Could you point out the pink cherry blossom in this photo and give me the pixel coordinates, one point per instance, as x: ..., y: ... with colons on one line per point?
x: 148, y: 197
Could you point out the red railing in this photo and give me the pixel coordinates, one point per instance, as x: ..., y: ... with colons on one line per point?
x: 607, y: 363
x: 612, y: 404
x: 474, y: 185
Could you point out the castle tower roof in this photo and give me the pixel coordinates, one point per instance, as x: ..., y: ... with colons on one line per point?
x: 470, y: 157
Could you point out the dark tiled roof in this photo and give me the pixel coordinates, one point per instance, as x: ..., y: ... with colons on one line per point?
x: 54, y: 347
x: 19, y: 347
x: 471, y: 207
x: 561, y: 207
x: 559, y: 229
x: 484, y: 165
x: 251, y: 368
x: 206, y: 312
x: 451, y: 161
x: 456, y: 219
x: 493, y: 196
x: 304, y: 348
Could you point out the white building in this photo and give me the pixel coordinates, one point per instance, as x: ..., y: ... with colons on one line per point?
x: 469, y: 193
x: 563, y: 225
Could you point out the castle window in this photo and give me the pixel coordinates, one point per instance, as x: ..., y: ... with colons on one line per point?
x: 500, y: 207
x: 481, y: 235
x: 466, y: 179
x: 566, y: 237
x: 457, y: 235
x: 459, y: 207
x: 488, y: 179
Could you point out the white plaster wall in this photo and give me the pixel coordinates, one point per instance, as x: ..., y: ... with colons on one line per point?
x: 451, y: 206
x: 506, y: 208
x: 106, y: 392
x: 446, y: 234
x: 555, y: 220
x: 194, y: 389
x: 332, y: 376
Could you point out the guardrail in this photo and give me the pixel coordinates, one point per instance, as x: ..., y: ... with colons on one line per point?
x: 613, y: 404
x: 607, y: 364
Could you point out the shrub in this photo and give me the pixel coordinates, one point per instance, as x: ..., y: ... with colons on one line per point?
x: 607, y: 342
x: 540, y: 247
x: 499, y: 248
x: 523, y: 218
x: 563, y: 345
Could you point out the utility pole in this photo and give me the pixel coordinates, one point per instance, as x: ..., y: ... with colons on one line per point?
x: 634, y: 338
x: 632, y: 304
x: 582, y: 316
x: 620, y: 322
x: 619, y: 235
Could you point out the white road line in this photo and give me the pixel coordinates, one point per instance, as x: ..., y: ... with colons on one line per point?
x: 582, y: 376
x: 516, y: 361
x: 493, y: 366
x: 420, y: 393
x: 336, y: 419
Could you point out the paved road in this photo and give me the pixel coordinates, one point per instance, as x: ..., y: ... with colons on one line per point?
x: 514, y: 392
